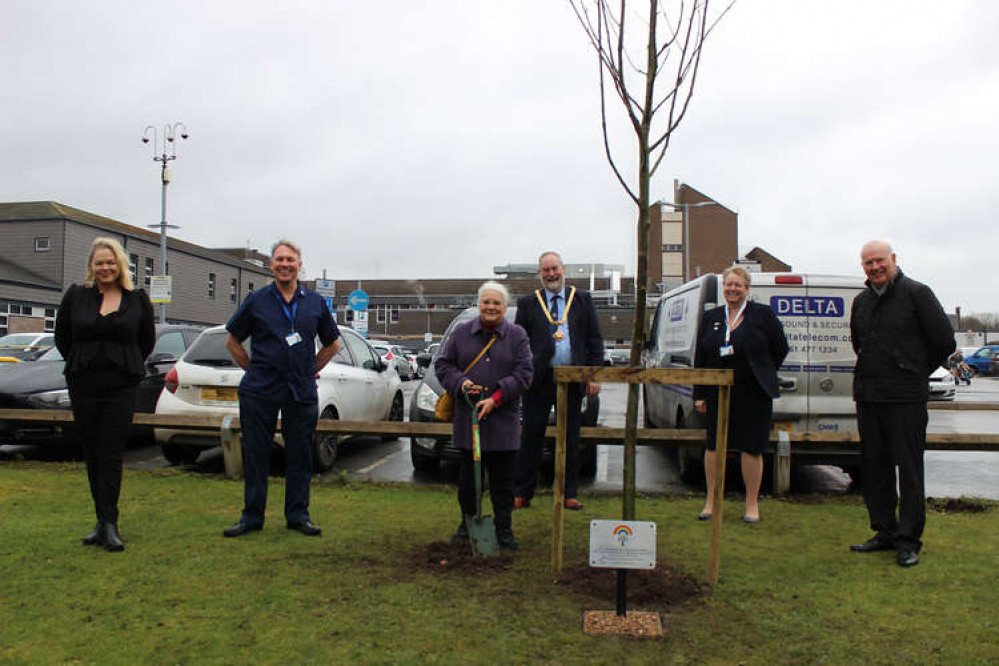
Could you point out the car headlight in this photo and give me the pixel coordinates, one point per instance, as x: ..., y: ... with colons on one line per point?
x: 50, y: 399
x: 425, y: 397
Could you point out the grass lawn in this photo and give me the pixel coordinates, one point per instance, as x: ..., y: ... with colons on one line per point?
x: 371, y: 590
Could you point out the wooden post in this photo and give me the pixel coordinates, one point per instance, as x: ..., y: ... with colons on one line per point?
x: 782, y: 463
x: 232, y: 450
x: 721, y: 450
x: 559, y: 483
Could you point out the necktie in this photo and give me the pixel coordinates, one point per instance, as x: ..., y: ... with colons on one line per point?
x: 554, y: 307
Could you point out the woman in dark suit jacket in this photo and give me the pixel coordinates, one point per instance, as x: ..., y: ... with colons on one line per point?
x: 105, y: 330
x: 496, y: 381
x: 747, y: 338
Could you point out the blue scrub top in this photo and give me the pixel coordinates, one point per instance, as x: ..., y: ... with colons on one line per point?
x: 279, y: 371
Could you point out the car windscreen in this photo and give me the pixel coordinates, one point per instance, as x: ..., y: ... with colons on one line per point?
x: 51, y: 355
x: 209, y: 349
x: 466, y: 315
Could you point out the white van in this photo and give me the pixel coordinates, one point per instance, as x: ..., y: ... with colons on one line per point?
x: 816, y: 377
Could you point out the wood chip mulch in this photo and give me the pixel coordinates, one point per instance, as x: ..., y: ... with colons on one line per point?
x: 641, y: 624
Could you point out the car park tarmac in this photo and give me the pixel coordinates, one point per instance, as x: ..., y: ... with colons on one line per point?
x: 948, y: 473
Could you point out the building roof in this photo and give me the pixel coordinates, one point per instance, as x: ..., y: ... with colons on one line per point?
x: 27, y: 211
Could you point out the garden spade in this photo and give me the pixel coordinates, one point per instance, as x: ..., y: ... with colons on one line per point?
x: 481, y: 530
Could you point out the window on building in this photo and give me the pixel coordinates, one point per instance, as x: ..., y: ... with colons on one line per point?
x: 133, y: 263
x: 147, y: 279
x: 211, y: 286
x: 43, y: 243
x: 249, y: 288
x: 673, y: 247
x: 50, y: 315
x: 232, y: 290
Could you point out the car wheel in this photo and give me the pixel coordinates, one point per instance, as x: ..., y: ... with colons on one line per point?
x: 395, y: 414
x: 178, y: 454
x: 327, y: 444
x: 689, y: 460
x: 423, y: 460
x: 646, y: 421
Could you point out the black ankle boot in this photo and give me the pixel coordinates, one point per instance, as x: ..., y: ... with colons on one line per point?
x: 112, y: 542
x: 94, y: 538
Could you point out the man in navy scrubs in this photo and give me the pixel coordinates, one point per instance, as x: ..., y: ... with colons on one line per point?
x: 282, y: 321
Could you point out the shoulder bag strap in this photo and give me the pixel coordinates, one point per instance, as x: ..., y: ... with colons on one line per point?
x: 476, y: 359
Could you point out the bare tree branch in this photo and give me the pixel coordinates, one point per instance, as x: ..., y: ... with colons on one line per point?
x: 676, y: 57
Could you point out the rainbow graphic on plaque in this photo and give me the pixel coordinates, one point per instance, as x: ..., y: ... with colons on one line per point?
x: 623, y: 533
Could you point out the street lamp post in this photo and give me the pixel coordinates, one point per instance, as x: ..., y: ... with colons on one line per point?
x: 164, y: 151
x: 685, y: 209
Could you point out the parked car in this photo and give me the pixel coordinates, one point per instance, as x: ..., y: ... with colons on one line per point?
x: 355, y: 385
x: 395, y: 357
x: 42, y: 385
x: 617, y: 356
x: 428, y: 453
x: 980, y: 361
x: 25, y: 346
x: 816, y: 378
x: 942, y: 385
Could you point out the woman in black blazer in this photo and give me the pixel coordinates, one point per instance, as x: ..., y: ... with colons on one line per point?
x: 747, y: 338
x: 105, y: 330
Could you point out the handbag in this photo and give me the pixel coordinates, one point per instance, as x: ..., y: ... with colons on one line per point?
x: 444, y: 408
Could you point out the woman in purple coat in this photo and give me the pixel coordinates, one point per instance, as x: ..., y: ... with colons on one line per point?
x: 495, y: 383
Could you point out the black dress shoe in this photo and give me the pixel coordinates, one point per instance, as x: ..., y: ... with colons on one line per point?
x: 908, y: 558
x: 94, y: 538
x: 871, y: 545
x: 505, y: 539
x: 110, y: 539
x: 306, y: 527
x: 239, y: 529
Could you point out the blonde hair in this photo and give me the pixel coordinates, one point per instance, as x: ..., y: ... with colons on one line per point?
x: 120, y: 258
x: 738, y: 270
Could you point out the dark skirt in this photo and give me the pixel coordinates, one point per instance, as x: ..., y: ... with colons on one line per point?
x: 750, y: 416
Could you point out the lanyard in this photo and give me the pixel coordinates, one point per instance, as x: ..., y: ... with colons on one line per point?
x: 288, y: 312
x: 728, y: 327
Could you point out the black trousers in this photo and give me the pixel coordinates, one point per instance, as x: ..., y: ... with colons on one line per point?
x: 537, y: 404
x: 102, y: 417
x: 893, y: 435
x: 501, y: 467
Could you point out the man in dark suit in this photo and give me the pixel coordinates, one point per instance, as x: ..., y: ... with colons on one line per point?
x: 561, y: 323
x: 901, y: 335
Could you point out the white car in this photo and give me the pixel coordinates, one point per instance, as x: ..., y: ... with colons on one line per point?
x: 942, y: 386
x: 355, y: 385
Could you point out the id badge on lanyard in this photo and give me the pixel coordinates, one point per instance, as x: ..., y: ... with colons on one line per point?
x: 293, y: 338
x: 727, y: 349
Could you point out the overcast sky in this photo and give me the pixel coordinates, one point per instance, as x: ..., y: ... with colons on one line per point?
x: 439, y: 139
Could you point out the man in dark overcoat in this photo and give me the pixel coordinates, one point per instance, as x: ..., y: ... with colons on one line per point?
x: 562, y: 325
x: 900, y: 334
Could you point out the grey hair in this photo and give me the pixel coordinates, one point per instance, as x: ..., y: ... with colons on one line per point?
x: 879, y: 244
x: 288, y: 244
x: 493, y: 286
x: 554, y: 254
